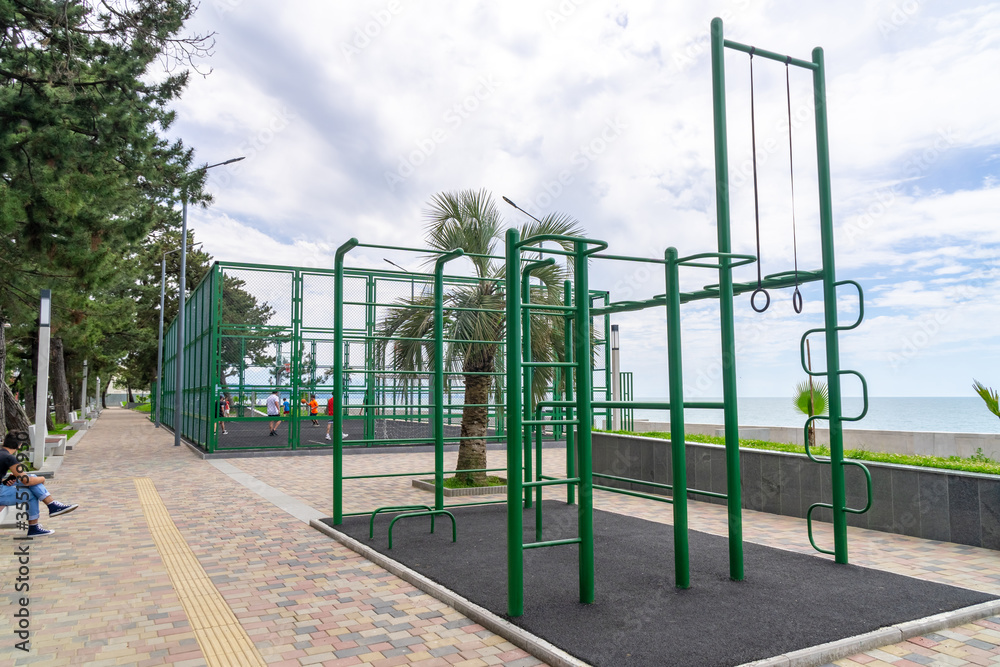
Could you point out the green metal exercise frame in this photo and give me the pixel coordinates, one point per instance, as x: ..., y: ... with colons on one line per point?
x: 827, y: 274
x: 519, y: 365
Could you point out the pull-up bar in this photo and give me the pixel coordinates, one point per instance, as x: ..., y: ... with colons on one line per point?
x: 770, y: 55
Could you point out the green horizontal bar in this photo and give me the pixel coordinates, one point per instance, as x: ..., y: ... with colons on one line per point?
x: 545, y: 306
x: 417, y: 441
x: 550, y: 543
x: 411, y: 306
x: 655, y: 405
x: 414, y: 474
x: 550, y: 364
x: 425, y: 340
x: 626, y: 258
x: 770, y: 55
x: 550, y: 422
x: 485, y: 502
x: 637, y: 494
x: 428, y: 373
x: 657, y: 485
x: 481, y: 502
x: 426, y: 250
x: 539, y: 238
x: 552, y: 482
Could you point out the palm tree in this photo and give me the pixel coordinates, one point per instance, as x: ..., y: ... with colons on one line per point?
x: 811, y: 399
x: 471, y: 221
x: 989, y: 396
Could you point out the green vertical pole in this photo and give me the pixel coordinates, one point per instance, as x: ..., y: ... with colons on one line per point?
x: 528, y: 379
x: 607, y: 365
x: 515, y: 496
x: 296, y: 353
x: 438, y: 425
x: 370, y: 400
x: 570, y: 357
x: 678, y: 458
x: 726, y: 317
x: 338, y: 381
x: 585, y: 419
x: 830, y: 310
x: 557, y: 396
x: 529, y: 374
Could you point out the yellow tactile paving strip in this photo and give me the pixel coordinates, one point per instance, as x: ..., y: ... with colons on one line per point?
x: 222, y: 639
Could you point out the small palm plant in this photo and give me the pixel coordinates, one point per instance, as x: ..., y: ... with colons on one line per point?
x: 474, y: 314
x: 988, y: 395
x: 811, y: 398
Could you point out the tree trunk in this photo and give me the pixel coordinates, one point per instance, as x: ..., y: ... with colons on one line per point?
x: 14, y: 417
x: 60, y: 387
x: 475, y: 422
x: 104, y: 394
x: 128, y: 389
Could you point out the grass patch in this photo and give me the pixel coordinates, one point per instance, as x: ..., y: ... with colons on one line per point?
x: 144, y: 407
x: 455, y: 483
x: 975, y: 463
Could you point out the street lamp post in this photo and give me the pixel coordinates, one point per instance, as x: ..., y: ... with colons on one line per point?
x: 42, y: 382
x: 159, y: 347
x: 179, y: 357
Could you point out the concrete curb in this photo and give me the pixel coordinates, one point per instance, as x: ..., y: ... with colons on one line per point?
x: 538, y: 647
x: 842, y: 648
x: 74, y: 441
x: 428, y: 485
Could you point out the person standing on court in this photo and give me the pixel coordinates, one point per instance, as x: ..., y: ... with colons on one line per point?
x: 274, y: 411
x: 329, y: 412
x: 314, y: 409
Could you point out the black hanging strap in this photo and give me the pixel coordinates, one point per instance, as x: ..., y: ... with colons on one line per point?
x: 796, y: 295
x: 756, y: 204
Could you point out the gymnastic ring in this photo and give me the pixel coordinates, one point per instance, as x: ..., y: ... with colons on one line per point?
x: 797, y: 300
x: 753, y: 299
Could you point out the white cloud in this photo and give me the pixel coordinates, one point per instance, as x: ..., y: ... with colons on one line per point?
x: 517, y: 98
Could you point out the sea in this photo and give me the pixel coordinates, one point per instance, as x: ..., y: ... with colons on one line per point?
x: 948, y: 414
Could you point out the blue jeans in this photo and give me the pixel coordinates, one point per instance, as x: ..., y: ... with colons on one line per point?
x: 9, y: 496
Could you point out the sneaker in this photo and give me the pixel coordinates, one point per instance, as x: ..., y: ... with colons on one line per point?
x: 345, y: 435
x: 38, y: 530
x: 56, y: 508
x: 225, y: 433
x: 328, y: 437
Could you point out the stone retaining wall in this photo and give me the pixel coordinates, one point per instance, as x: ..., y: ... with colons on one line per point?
x: 929, y: 503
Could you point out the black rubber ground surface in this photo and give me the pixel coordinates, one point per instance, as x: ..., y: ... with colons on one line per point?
x: 787, y: 601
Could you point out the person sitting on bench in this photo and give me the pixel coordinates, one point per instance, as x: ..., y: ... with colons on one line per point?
x: 18, y: 485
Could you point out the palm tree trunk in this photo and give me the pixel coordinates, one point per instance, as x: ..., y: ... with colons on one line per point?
x: 475, y: 422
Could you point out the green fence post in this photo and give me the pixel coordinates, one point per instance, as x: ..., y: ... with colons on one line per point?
x: 438, y: 424
x: 338, y: 381
x: 570, y: 357
x: 515, y: 492
x: 678, y: 458
x: 585, y: 417
x: 727, y: 320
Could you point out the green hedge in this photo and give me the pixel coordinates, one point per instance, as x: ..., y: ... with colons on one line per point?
x: 976, y: 463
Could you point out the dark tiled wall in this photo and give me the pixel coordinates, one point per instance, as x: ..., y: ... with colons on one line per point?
x: 934, y: 505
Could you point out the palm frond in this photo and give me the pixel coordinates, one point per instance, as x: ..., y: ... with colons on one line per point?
x: 818, y: 396
x: 989, y: 396
x: 468, y: 219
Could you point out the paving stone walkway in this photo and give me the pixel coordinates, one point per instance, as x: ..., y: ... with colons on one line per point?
x: 101, y: 593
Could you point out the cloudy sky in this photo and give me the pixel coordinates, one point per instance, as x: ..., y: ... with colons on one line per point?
x: 352, y: 115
